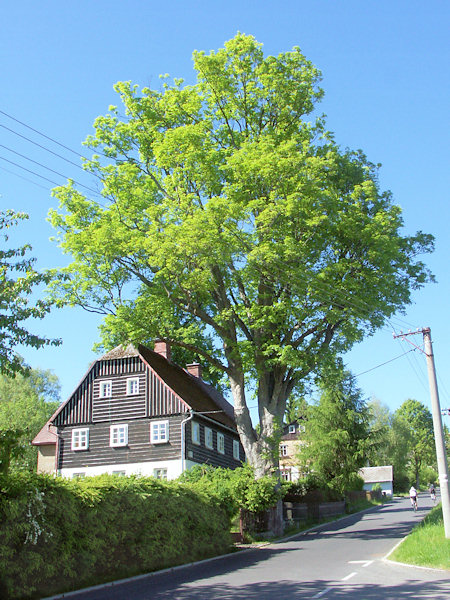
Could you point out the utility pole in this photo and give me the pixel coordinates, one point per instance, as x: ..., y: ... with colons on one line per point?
x: 437, y: 423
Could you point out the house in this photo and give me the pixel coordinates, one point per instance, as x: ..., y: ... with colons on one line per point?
x: 289, y: 445
x: 136, y: 412
x: 384, y: 476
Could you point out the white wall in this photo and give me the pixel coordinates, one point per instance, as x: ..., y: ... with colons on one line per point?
x: 145, y: 469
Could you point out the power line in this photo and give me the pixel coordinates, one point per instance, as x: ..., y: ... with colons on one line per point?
x: 24, y: 137
x: 40, y: 133
x: 48, y: 168
x: 24, y: 178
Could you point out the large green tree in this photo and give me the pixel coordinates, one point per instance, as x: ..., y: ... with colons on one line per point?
x: 18, y: 282
x: 26, y: 403
x: 337, y: 439
x: 233, y: 225
x: 417, y: 421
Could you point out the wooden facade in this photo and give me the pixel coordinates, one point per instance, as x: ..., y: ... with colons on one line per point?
x: 123, y: 394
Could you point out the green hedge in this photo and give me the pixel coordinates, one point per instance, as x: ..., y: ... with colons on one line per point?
x: 57, y: 534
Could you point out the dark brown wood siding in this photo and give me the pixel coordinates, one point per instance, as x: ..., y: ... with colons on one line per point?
x: 155, y: 398
x: 201, y: 454
x: 139, y: 448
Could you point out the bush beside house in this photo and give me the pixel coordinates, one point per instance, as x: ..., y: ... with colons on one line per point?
x: 57, y: 534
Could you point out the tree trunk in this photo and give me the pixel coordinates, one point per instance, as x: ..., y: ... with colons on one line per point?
x: 262, y: 451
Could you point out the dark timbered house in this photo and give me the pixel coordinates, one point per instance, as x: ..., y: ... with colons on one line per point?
x: 136, y: 412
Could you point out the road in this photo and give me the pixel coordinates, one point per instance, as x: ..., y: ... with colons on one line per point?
x: 340, y: 560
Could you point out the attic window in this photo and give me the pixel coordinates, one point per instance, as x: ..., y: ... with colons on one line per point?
x: 291, y: 428
x: 106, y: 389
x: 132, y: 386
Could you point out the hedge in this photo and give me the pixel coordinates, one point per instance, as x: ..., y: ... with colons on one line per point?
x: 57, y: 534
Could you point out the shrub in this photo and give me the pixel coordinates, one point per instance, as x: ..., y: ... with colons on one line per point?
x: 58, y: 534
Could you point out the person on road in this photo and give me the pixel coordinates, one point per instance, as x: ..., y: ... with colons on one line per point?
x: 413, y: 497
x: 433, y: 493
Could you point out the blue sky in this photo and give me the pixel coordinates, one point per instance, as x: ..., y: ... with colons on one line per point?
x: 386, y: 78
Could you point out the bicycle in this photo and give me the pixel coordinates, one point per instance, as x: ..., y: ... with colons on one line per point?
x: 414, y: 502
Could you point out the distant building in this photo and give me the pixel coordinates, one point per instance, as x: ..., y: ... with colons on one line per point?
x: 136, y: 412
x: 289, y: 446
x: 378, y: 475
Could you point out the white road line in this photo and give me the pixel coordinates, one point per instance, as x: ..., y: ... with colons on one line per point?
x: 364, y: 563
x: 322, y: 593
x: 349, y: 576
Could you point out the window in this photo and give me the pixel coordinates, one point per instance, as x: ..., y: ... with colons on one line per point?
x: 283, y: 450
x: 106, y: 389
x: 195, y: 433
x: 209, y: 438
x: 78, y: 475
x: 159, y: 432
x: 80, y: 439
x: 132, y: 386
x: 119, y: 473
x: 160, y: 473
x: 221, y: 443
x: 236, y: 451
x: 291, y: 428
x: 286, y: 475
x: 118, y: 435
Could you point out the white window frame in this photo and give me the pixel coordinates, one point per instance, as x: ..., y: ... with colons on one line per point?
x: 115, y: 432
x: 132, y: 386
x: 291, y: 428
x: 209, y: 438
x: 284, y: 450
x: 160, y: 471
x: 285, y: 474
x: 105, y: 389
x: 158, y: 439
x: 80, y: 439
x: 220, y: 443
x: 236, y: 450
x: 195, y: 433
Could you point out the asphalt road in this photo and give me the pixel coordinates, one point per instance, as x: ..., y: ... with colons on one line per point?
x: 340, y: 560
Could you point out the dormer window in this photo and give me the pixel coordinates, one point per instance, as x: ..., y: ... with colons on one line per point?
x: 291, y: 428
x: 106, y: 389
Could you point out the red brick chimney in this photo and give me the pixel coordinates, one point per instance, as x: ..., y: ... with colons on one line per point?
x: 195, y: 369
x: 163, y: 348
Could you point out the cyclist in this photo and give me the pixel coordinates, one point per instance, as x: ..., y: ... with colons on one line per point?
x: 432, y: 491
x: 413, y: 497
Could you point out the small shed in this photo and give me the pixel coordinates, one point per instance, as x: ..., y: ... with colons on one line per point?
x: 384, y: 476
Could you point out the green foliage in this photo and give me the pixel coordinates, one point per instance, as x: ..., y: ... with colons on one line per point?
x: 26, y: 403
x: 18, y: 279
x: 235, y: 489
x: 337, y: 432
x: 417, y: 423
x: 427, y: 545
x: 57, y: 534
x: 236, y: 228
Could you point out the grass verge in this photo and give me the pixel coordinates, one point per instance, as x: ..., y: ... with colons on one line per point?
x: 426, y: 545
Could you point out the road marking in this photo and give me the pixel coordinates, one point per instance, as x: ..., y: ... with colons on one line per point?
x: 322, y: 593
x: 364, y: 563
x: 349, y: 576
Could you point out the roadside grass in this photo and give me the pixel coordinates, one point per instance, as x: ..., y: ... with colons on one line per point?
x: 426, y: 545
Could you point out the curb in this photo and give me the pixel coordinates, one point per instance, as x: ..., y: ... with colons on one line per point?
x: 400, y: 564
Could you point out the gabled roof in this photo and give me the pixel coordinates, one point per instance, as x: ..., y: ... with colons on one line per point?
x: 198, y: 395
x: 377, y: 474
x: 193, y: 391
x: 47, y: 435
